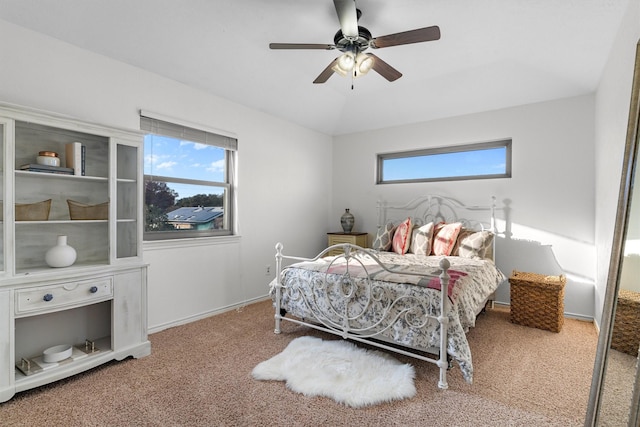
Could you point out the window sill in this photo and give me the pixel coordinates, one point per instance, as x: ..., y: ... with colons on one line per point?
x: 151, y: 245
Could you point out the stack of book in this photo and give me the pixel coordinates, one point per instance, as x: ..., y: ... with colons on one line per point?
x: 75, y: 156
x: 34, y: 167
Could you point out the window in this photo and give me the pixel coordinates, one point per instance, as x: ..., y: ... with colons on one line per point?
x: 189, y: 180
x: 473, y: 161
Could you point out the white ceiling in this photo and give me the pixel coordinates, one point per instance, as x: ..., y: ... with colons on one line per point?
x: 492, y: 53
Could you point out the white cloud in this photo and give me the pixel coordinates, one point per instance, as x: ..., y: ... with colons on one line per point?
x: 151, y: 159
x: 196, y: 145
x: 166, y: 165
x: 217, y: 166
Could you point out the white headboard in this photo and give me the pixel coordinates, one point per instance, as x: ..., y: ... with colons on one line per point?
x: 437, y: 208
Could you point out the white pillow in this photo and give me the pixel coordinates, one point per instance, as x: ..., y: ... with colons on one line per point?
x: 384, y: 237
x: 422, y: 239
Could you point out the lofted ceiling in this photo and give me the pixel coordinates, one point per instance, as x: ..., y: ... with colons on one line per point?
x: 492, y: 53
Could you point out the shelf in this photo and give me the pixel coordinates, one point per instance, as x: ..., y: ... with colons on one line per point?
x: 63, y: 221
x: 40, y: 175
x: 24, y: 382
x: 45, y: 269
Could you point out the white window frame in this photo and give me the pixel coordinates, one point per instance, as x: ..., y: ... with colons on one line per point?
x: 153, y: 123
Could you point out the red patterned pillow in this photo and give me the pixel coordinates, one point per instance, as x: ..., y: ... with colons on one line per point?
x: 402, y: 237
x: 444, y: 238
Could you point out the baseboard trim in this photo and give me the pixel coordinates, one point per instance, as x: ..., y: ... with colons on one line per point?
x: 204, y: 315
x: 567, y: 315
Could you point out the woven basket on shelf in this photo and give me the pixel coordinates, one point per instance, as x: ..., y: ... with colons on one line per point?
x: 38, y: 211
x: 626, y: 325
x: 79, y: 210
x: 537, y: 300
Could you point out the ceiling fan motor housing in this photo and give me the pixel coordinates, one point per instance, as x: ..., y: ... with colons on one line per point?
x: 359, y: 44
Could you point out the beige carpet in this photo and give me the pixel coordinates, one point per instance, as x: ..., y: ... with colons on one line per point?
x: 200, y: 374
x: 618, y: 389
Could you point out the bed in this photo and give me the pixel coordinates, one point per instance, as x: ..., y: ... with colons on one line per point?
x: 389, y: 296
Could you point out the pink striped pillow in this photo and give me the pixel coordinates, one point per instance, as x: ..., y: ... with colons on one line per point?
x: 444, y: 238
x: 402, y: 237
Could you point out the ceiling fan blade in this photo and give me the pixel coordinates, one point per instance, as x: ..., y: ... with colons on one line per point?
x: 384, y: 69
x: 301, y: 46
x: 326, y: 73
x: 407, y: 37
x: 348, y: 17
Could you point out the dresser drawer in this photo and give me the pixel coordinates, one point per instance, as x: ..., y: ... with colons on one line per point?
x: 63, y: 295
x: 359, y: 239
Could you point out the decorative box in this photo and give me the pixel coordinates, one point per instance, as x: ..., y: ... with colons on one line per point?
x: 626, y: 326
x: 537, y: 300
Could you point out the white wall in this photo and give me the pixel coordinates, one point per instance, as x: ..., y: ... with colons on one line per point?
x: 282, y: 183
x: 612, y: 113
x: 553, y: 209
x: 550, y: 193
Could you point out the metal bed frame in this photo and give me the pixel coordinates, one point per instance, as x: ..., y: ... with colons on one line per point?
x: 338, y: 320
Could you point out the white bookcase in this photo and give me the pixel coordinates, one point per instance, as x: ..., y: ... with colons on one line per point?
x: 98, y: 304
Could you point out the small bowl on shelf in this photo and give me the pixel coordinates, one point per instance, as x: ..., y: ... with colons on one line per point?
x: 79, y: 211
x: 38, y: 211
x: 57, y: 353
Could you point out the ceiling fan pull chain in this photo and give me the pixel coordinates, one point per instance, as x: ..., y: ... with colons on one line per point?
x: 353, y: 77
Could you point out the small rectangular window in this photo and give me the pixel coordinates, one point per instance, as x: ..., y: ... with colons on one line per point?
x: 472, y: 161
x: 189, y: 181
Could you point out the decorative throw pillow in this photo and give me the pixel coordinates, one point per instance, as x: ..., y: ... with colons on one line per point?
x: 464, y: 233
x: 474, y: 244
x: 444, y: 238
x: 384, y: 237
x: 402, y: 237
x: 422, y: 239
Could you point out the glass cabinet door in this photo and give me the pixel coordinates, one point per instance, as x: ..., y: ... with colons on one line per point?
x: 3, y: 144
x: 128, y: 203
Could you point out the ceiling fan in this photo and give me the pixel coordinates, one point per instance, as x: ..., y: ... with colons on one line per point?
x: 353, y: 40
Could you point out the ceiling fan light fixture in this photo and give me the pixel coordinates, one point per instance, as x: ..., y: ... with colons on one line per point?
x: 345, y: 64
x: 363, y: 64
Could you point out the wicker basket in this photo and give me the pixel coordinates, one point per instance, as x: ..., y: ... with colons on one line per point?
x: 79, y: 211
x: 537, y: 300
x: 38, y: 211
x: 626, y: 326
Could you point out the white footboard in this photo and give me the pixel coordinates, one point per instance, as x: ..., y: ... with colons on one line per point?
x: 331, y: 302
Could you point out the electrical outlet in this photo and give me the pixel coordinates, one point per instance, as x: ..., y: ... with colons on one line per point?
x: 267, y: 271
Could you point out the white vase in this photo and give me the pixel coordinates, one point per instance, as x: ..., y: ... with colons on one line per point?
x: 61, y: 255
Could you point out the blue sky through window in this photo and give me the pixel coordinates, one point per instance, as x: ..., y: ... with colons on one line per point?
x: 489, y: 161
x: 171, y: 157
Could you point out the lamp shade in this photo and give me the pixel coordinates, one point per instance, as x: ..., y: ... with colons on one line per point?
x: 345, y: 64
x: 363, y: 64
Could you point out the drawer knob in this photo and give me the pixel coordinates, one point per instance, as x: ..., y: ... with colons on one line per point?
x: 93, y: 289
x: 48, y: 297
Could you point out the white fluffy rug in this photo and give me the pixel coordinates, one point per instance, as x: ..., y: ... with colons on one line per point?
x: 340, y: 370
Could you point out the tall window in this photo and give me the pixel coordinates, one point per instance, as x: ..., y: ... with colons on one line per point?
x: 473, y: 161
x: 189, y: 180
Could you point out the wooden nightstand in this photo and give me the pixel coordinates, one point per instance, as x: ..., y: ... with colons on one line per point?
x: 359, y: 239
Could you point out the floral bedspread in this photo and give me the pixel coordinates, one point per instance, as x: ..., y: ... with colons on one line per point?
x: 369, y: 298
